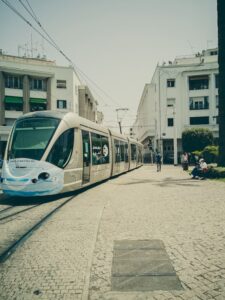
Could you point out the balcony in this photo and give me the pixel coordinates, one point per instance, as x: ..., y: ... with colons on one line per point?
x: 150, y: 132
x: 13, y: 114
x: 4, y: 132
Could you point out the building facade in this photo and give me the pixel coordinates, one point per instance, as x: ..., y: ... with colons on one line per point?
x: 31, y: 84
x: 182, y: 94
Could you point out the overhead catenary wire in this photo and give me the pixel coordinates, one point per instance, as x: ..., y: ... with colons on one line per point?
x: 51, y: 41
x: 76, y: 68
x: 26, y: 21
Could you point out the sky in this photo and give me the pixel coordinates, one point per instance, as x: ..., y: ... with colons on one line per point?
x: 116, y: 43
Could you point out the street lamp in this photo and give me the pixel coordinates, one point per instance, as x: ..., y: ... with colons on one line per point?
x: 174, y: 136
x: 120, y: 117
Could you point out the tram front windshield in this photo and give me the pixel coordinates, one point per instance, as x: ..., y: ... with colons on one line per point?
x: 30, y: 137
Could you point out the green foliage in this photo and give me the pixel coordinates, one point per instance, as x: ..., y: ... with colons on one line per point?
x: 215, y: 172
x: 210, y: 154
x: 196, y: 139
x: 197, y: 153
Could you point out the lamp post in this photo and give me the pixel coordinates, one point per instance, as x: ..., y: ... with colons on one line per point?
x: 174, y: 136
x: 160, y: 145
x: 120, y: 118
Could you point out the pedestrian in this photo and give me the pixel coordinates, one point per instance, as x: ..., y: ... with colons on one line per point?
x: 158, y: 161
x: 200, y: 169
x: 184, y: 161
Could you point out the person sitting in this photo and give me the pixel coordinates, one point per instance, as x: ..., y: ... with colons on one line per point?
x: 200, y: 169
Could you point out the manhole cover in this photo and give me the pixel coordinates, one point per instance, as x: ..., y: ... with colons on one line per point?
x: 142, y: 266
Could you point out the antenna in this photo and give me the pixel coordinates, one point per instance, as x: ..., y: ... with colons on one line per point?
x: 32, y: 49
x: 190, y: 45
x: 208, y: 42
x: 43, y: 48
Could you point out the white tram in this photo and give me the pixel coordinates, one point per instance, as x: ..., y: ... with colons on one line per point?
x: 52, y: 152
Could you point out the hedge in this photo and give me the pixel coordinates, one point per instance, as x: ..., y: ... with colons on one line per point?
x: 215, y: 172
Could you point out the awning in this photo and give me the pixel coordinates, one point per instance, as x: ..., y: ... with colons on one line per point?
x: 38, y: 100
x: 13, y: 99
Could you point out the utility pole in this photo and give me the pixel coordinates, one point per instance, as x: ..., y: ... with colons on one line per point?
x: 221, y: 61
x: 160, y: 145
x: 174, y: 136
x: 120, y: 116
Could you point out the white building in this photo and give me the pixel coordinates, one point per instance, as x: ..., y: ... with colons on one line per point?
x: 182, y: 94
x: 31, y: 84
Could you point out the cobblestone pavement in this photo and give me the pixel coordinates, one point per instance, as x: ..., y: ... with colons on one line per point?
x: 70, y: 257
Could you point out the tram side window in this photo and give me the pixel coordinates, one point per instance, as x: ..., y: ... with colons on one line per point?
x: 100, y: 149
x: 117, y: 150
x: 133, y: 152
x: 86, y: 147
x: 126, y: 153
x: 122, y: 151
x: 105, y: 149
x: 139, y: 154
x: 62, y: 149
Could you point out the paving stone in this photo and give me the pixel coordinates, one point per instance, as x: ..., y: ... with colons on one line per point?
x: 73, y: 251
x: 145, y: 283
x: 138, y: 244
x: 141, y: 267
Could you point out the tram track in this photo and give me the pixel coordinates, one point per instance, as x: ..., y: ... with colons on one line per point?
x: 17, y: 231
x: 17, y: 212
x: 4, y: 209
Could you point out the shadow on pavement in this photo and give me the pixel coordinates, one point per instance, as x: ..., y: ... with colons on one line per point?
x: 20, y: 201
x: 164, y: 182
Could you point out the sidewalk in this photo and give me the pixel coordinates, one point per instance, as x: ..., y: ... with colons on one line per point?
x: 71, y: 256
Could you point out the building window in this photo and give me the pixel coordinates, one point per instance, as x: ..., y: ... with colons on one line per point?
x: 199, y: 82
x: 14, y: 106
x: 170, y: 102
x: 199, y: 120
x: 216, y: 81
x: 38, y: 106
x: 213, y: 52
x: 196, y: 103
x: 37, y: 84
x: 170, y: 82
x: 61, y: 104
x: 217, y: 101
x: 13, y: 82
x: 170, y: 122
x: 13, y: 103
x: 61, y: 84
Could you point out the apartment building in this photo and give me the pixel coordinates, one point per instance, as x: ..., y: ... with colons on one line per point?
x: 182, y: 94
x: 33, y: 84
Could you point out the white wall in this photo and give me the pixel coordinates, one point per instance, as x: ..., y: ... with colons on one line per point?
x: 153, y: 102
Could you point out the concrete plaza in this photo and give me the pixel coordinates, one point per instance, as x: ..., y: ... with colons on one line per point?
x: 71, y: 256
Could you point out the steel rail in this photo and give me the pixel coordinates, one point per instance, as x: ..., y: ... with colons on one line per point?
x: 12, y: 248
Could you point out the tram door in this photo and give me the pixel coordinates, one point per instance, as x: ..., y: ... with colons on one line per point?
x: 86, y: 156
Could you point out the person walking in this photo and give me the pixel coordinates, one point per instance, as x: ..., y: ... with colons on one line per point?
x: 158, y: 161
x: 185, y: 161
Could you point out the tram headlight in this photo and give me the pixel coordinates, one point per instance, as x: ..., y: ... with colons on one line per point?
x: 43, y: 175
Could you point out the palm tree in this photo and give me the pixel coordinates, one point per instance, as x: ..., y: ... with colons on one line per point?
x: 221, y: 60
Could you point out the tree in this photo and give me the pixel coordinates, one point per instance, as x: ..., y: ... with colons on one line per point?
x: 221, y: 61
x: 196, y: 139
